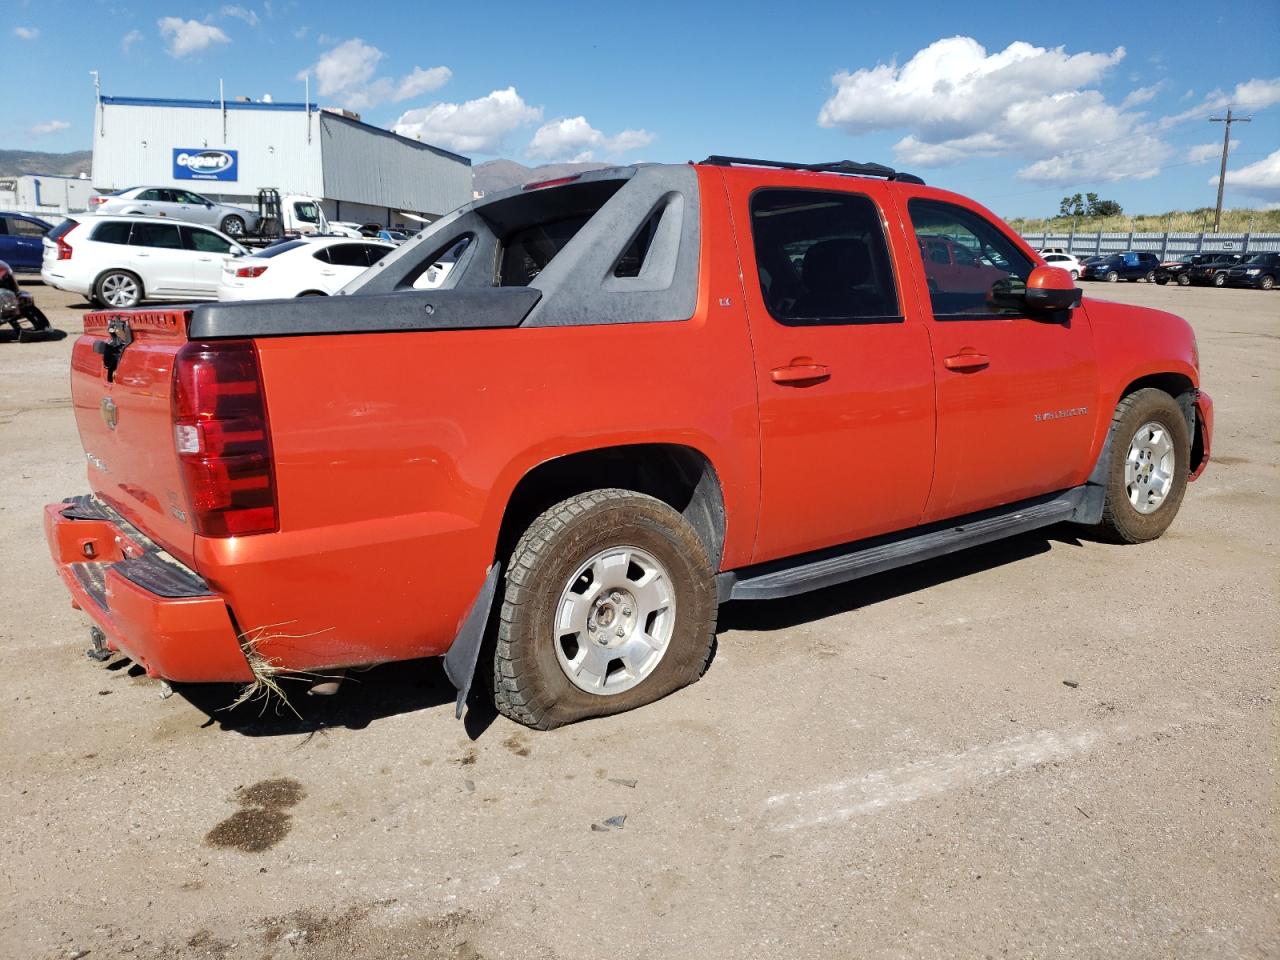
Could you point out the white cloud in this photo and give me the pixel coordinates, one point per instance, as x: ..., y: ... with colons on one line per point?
x: 1140, y: 95
x: 422, y: 81
x: 186, y: 37
x: 476, y: 126
x: 241, y: 13
x: 301, y: 32
x: 50, y: 126
x: 129, y: 39
x: 1256, y: 94
x: 347, y: 73
x: 26, y: 33
x: 574, y: 138
x: 953, y: 88
x: 956, y: 101
x: 1260, y: 179
x: 1204, y: 152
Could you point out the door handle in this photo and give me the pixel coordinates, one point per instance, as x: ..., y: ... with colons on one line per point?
x: 967, y: 361
x: 801, y: 374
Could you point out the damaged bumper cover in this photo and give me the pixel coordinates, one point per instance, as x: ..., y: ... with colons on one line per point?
x: 151, y: 608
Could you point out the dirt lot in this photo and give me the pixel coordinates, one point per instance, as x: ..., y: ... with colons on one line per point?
x: 897, y: 768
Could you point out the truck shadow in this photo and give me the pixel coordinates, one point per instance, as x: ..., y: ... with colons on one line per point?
x: 771, y: 615
x: 384, y: 691
x: 414, y: 685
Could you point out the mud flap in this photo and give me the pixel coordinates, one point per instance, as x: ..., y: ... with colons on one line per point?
x: 460, y: 660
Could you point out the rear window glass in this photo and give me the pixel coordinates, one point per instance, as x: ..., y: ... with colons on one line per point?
x: 112, y: 232
x: 526, y: 252
x: 278, y: 248
x: 61, y: 229
x: 156, y: 235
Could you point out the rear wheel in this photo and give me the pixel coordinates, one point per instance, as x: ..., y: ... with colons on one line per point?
x: 1075, y: 274
x: 233, y: 226
x: 610, y: 604
x: 1150, y: 452
x: 1219, y: 279
x: 118, y: 288
x: 313, y: 293
x: 1184, y: 280
x: 1150, y: 277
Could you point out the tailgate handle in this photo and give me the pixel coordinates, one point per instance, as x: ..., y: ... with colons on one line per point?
x: 120, y: 336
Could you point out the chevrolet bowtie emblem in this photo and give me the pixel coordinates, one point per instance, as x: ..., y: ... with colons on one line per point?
x: 110, y: 413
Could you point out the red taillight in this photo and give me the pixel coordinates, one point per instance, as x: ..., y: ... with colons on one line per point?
x: 64, y: 248
x: 250, y: 271
x: 94, y: 201
x: 222, y: 438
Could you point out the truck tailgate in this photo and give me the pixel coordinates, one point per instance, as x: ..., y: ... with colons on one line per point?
x: 121, y: 379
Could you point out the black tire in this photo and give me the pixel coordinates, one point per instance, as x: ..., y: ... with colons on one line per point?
x: 1219, y: 279
x: 313, y: 293
x: 1121, y: 520
x: 1184, y: 280
x: 1162, y: 279
x: 529, y: 684
x: 1111, y: 276
x: 120, y: 279
x: 232, y: 226
x: 1266, y: 282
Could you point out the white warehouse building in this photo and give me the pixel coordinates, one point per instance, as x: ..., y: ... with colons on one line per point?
x: 228, y: 150
x: 46, y: 195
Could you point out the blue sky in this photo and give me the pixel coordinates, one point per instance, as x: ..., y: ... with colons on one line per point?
x: 1012, y: 106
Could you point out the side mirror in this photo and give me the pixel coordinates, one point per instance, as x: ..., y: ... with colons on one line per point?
x: 1050, y: 289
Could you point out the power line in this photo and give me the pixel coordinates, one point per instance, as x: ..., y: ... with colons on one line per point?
x: 1226, y: 122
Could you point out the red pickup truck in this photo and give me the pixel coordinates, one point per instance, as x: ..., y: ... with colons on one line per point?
x: 639, y: 393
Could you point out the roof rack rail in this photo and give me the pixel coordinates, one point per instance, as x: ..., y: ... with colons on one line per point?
x: 833, y: 166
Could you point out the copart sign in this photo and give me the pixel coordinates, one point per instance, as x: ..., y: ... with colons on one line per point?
x: 199, y: 163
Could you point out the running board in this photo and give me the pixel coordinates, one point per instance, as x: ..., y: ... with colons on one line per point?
x: 813, y: 571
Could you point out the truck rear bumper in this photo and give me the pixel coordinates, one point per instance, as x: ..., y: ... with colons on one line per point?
x: 151, y: 608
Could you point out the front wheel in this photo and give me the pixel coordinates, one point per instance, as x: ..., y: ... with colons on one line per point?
x: 610, y: 604
x: 1111, y: 276
x: 118, y: 288
x: 1147, y: 476
x: 1267, y: 282
x: 1162, y: 279
x: 233, y: 226
x: 1075, y: 274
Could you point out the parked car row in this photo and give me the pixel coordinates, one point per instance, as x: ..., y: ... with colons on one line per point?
x: 120, y: 261
x: 1259, y: 270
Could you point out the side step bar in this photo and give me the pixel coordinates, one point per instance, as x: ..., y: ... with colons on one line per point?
x: 824, y: 568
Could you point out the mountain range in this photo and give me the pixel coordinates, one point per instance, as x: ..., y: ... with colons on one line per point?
x: 14, y: 163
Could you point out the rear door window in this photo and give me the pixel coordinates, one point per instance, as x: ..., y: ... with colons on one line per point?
x: 373, y: 253
x: 156, y: 235
x: 349, y: 255
x: 116, y: 231
x: 822, y: 258
x: 25, y: 228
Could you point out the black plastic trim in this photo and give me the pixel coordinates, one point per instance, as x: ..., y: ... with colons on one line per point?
x: 457, y: 309
x: 824, y: 568
x: 154, y: 571
x: 831, y: 166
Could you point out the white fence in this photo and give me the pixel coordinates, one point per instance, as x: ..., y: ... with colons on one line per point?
x: 1165, y: 245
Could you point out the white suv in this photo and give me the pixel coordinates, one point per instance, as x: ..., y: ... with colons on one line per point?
x: 121, y: 261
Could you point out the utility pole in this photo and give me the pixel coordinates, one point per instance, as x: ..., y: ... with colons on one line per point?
x: 1226, y: 122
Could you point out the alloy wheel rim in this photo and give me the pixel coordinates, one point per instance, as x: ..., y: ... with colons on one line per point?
x: 614, y: 620
x: 1149, y: 467
x: 119, y: 291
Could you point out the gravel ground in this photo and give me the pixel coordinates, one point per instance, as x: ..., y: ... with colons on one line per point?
x: 1048, y: 747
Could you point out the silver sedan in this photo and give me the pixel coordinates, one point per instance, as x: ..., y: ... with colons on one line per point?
x: 180, y: 205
